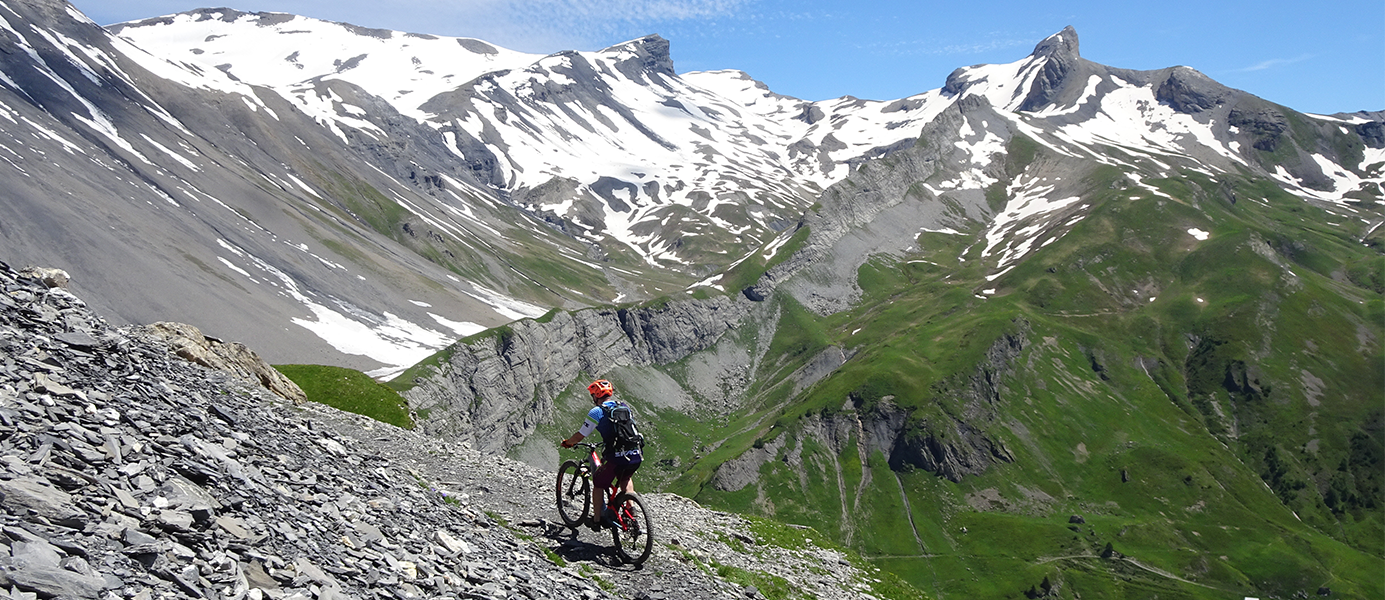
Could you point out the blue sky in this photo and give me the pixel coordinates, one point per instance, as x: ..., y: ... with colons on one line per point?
x: 1324, y: 57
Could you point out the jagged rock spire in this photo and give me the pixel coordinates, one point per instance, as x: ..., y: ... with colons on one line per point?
x: 1061, y: 44
x: 1060, y: 53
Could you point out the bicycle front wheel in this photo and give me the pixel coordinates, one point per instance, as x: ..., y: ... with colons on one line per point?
x: 633, y: 533
x: 574, y: 494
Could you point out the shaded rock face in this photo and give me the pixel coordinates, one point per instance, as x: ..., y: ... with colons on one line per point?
x: 494, y: 391
x: 953, y: 446
x: 1063, y: 58
x: 1373, y: 133
x: 190, y: 345
x: 1265, y: 126
x: 925, y: 449
x: 128, y: 472
x: 1190, y: 92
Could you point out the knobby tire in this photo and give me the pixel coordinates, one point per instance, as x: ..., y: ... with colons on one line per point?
x: 574, y: 495
x: 633, y: 534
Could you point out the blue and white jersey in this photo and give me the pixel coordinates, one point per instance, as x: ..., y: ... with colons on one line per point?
x: 596, y: 421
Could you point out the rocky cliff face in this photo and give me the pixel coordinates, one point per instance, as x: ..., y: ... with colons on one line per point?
x: 493, y: 391
x: 959, y: 444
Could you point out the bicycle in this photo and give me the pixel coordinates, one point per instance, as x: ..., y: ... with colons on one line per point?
x: 633, y: 530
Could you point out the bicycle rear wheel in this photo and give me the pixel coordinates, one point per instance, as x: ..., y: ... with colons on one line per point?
x: 574, y: 494
x: 633, y: 533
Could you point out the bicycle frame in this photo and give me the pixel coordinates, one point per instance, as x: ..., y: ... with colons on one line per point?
x: 632, y: 532
x: 593, y: 462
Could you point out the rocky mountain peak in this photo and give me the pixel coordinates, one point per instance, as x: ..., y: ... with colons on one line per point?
x: 1062, y: 44
x: 1059, y: 52
x: 649, y: 54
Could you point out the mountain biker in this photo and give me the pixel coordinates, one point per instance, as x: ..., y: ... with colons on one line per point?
x: 613, y: 466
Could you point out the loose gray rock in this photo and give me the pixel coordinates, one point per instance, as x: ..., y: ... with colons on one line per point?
x: 41, y: 498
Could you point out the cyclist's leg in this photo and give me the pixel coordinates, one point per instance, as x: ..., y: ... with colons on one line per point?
x: 601, y: 480
x: 626, y: 478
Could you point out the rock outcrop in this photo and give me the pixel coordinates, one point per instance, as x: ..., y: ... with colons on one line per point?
x: 956, y: 445
x: 493, y: 391
x: 233, y: 357
x: 53, y: 278
x: 1061, y: 50
x: 949, y: 445
x: 1190, y: 92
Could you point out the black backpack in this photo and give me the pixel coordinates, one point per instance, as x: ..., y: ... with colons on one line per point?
x: 627, y: 436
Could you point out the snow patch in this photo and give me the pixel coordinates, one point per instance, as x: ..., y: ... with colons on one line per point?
x: 1024, y: 216
x: 1087, y: 95
x: 945, y: 230
x: 506, y: 306
x: 174, y: 155
x: 386, y: 338
x: 461, y: 328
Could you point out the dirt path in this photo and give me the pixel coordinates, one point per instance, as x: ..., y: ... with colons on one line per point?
x: 698, y: 553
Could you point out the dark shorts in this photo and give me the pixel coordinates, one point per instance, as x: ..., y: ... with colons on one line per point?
x: 609, y: 471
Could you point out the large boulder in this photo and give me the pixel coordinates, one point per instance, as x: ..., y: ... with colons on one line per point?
x: 189, y: 344
x: 36, y: 566
x: 53, y: 278
x: 33, y: 495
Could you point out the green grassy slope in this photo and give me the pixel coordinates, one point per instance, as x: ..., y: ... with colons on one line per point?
x: 1210, y: 408
x: 1181, y: 396
x: 351, y: 391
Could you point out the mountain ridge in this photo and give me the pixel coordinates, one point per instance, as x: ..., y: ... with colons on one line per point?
x: 602, y: 215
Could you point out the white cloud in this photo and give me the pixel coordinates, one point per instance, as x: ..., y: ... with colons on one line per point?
x: 544, y: 26
x: 1274, y: 62
x: 933, y: 47
x: 539, y: 26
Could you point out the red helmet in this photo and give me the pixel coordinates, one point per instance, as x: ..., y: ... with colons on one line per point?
x: 601, y: 388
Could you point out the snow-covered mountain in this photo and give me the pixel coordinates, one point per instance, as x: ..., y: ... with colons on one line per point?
x: 613, y: 143
x: 968, y: 174
x: 264, y: 174
x: 174, y: 193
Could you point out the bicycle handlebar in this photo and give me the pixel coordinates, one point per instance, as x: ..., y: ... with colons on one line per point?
x: 586, y: 445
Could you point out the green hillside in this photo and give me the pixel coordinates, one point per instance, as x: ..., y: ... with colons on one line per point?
x: 1131, y: 412
x: 1179, y: 393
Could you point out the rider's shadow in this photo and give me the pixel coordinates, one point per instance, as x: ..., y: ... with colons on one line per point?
x: 571, y: 547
